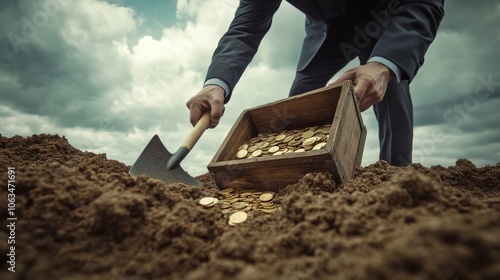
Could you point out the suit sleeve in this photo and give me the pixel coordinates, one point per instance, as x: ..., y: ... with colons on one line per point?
x: 239, y: 44
x: 406, y: 39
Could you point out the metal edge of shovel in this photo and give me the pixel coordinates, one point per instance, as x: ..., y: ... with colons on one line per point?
x: 157, y: 162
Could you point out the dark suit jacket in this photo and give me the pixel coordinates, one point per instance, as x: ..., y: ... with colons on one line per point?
x: 404, y: 41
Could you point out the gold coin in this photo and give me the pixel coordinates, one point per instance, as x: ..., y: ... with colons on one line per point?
x: 225, y: 211
x: 239, y: 205
x: 213, y: 203
x: 319, y: 135
x: 275, y: 143
x: 309, y: 141
x: 319, y: 146
x: 263, y: 145
x: 229, y: 196
x: 307, y: 134
x: 294, y: 143
x: 288, y: 139
x: 252, y: 149
x: 243, y: 147
x: 278, y: 153
x: 241, y: 153
x: 254, y: 140
x: 270, y: 139
x: 257, y: 153
x: 326, y: 130
x: 274, y: 149
x: 299, y: 151
x: 267, y: 202
x: 265, y: 197
x: 280, y: 137
x: 238, y: 217
x: 225, y: 205
x: 271, y: 210
x: 206, y: 201
x: 227, y: 190
x: 307, y: 148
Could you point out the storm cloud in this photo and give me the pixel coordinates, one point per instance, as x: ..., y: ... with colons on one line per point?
x: 109, y: 76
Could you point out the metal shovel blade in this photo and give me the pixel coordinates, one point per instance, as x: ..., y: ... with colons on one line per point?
x: 153, y: 163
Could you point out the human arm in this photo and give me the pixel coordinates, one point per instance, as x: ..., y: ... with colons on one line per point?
x: 234, y: 52
x: 210, y: 98
x: 399, y: 52
x: 412, y: 29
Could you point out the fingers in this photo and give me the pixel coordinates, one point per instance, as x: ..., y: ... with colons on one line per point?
x: 347, y: 76
x: 370, y: 82
x: 216, y: 112
x: 195, y: 114
x: 367, y: 93
x: 209, y: 99
x: 361, y: 86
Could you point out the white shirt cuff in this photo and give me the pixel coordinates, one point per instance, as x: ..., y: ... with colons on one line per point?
x: 218, y: 82
x: 391, y: 65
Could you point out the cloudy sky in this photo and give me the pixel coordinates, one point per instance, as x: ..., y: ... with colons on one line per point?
x: 110, y: 74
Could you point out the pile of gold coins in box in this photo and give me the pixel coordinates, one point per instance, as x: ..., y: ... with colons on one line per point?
x: 291, y: 141
x: 238, y: 203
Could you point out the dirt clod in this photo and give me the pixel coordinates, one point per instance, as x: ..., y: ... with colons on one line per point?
x: 81, y: 216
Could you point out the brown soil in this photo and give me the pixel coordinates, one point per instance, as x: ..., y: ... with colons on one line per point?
x: 81, y: 216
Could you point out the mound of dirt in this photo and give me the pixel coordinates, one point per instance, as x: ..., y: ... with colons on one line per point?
x: 81, y: 216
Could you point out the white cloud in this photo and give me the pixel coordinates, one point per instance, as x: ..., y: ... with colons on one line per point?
x: 449, y: 71
x: 143, y: 84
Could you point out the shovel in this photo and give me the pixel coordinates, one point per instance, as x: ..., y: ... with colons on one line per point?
x: 157, y: 162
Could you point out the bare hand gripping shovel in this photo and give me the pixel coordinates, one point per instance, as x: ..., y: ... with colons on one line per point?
x: 157, y: 162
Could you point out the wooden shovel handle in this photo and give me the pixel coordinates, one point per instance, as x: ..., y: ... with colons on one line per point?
x: 197, y: 131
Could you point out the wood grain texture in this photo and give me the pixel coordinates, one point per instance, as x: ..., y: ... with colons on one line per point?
x: 335, y: 105
x: 197, y: 131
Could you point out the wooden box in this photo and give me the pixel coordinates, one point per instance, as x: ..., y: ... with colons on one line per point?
x: 334, y: 104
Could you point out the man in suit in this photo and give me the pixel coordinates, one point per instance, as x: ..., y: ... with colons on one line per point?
x: 390, y: 38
